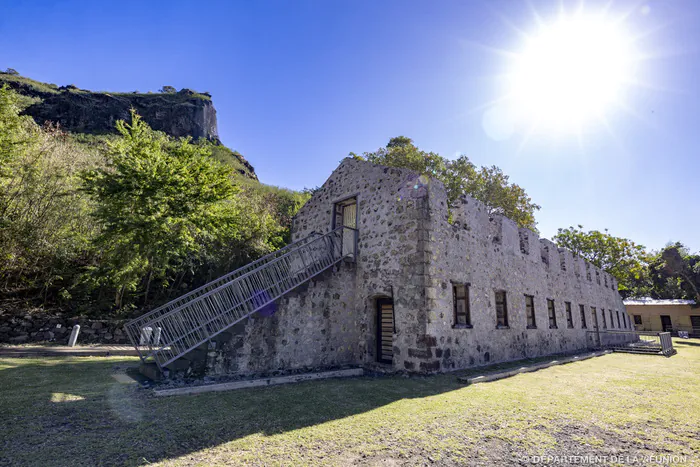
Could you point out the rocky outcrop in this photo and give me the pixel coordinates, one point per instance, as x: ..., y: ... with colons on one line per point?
x: 180, y: 114
x: 183, y: 113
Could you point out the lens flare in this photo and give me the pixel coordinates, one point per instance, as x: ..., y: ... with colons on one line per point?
x: 571, y: 72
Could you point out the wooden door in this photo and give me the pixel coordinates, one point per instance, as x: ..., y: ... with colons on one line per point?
x: 346, y: 216
x: 385, y: 331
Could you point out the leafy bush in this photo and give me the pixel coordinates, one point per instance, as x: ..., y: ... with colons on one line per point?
x: 109, y: 223
x: 488, y: 184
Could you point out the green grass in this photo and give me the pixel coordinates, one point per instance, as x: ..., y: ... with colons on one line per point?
x: 72, y: 411
x: 50, y: 88
x: 37, y: 86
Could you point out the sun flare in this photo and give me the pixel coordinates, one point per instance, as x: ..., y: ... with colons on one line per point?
x: 571, y: 72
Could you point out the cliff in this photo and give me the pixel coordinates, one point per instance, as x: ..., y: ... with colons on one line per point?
x: 183, y: 113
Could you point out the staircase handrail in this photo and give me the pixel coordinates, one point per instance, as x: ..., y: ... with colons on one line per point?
x: 228, y: 277
x: 188, y: 308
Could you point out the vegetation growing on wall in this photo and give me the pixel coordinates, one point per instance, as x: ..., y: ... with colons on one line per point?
x: 621, y: 257
x: 487, y: 184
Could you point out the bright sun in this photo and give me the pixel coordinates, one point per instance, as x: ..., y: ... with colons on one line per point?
x: 570, y: 73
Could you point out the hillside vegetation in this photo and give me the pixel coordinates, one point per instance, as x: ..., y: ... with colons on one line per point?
x: 117, y: 223
x: 88, y: 113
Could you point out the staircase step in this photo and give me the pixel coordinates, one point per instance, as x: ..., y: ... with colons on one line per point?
x: 151, y: 371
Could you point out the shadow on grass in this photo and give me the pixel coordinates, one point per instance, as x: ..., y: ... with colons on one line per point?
x: 681, y: 342
x: 75, y: 411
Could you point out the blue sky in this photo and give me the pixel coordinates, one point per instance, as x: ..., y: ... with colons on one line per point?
x: 300, y: 84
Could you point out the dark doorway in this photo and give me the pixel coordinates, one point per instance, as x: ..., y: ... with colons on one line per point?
x: 385, y: 330
x: 695, y: 323
x: 666, y: 323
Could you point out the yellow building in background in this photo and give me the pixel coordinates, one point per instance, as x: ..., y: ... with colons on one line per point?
x: 664, y: 315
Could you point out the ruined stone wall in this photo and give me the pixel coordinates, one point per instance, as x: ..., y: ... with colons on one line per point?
x: 408, y: 251
x: 332, y: 321
x: 21, y: 327
x: 490, y: 253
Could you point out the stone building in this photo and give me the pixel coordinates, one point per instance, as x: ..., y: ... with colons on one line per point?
x: 429, y: 290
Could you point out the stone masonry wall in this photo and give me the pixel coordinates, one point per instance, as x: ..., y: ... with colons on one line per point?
x: 490, y: 253
x: 333, y: 320
x: 408, y: 251
x: 27, y: 328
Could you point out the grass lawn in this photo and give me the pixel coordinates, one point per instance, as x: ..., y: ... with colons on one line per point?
x: 79, y: 411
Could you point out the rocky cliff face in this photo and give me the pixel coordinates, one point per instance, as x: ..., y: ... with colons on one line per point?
x: 183, y: 113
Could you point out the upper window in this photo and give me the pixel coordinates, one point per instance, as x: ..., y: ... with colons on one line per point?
x: 637, y: 319
x: 530, y: 311
x: 597, y: 277
x: 605, y: 323
x: 612, y: 319
x: 501, y: 309
x: 569, y: 318
x: 552, y: 314
x: 618, y: 318
x: 460, y: 296
x: 582, y: 310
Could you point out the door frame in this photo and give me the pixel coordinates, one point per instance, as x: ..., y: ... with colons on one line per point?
x: 670, y: 323
x: 348, y: 241
x: 341, y: 201
x: 378, y: 307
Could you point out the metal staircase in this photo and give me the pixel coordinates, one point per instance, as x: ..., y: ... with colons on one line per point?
x: 180, y: 326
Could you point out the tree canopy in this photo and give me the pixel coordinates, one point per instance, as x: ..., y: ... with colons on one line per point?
x: 156, y: 200
x: 460, y: 176
x: 104, y: 224
x: 621, y: 257
x: 672, y: 272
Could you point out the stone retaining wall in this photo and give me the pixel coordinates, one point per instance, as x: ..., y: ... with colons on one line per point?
x: 40, y: 327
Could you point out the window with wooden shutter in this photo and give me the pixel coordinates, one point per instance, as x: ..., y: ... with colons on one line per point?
x: 460, y: 297
x: 552, y: 314
x: 501, y: 309
x: 530, y: 312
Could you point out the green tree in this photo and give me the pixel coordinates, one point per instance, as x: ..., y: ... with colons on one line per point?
x: 167, y: 90
x: 621, y: 257
x: 158, y: 201
x: 674, y: 272
x: 488, y: 184
x: 17, y: 133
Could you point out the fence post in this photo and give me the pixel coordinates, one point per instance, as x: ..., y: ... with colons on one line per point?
x: 74, y: 336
